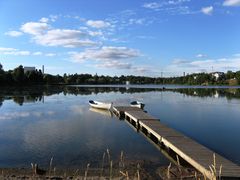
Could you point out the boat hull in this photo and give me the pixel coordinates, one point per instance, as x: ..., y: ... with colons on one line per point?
x: 137, y: 104
x: 100, y: 105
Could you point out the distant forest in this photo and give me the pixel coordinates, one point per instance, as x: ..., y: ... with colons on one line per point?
x: 17, y: 76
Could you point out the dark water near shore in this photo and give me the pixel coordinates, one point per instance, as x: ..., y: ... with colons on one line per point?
x: 41, y: 122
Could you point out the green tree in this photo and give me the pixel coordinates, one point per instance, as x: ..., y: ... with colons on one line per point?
x: 230, y: 75
x: 238, y: 76
x: 18, y: 75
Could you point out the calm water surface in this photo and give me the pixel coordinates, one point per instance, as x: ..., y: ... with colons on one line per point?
x: 38, y: 123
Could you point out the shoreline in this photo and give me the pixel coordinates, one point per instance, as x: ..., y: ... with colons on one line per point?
x: 144, y: 171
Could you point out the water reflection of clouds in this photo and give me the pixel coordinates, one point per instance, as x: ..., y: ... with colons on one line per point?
x: 50, y: 133
x: 78, y: 109
x: 43, y: 137
x: 24, y: 114
x: 40, y: 114
x: 14, y: 115
x: 73, y: 133
x: 65, y: 128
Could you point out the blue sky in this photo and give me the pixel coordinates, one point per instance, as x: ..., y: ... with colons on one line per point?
x: 138, y: 37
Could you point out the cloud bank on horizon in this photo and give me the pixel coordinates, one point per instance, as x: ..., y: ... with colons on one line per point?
x: 140, y: 38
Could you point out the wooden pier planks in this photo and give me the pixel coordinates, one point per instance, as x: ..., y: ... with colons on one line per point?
x: 194, y: 153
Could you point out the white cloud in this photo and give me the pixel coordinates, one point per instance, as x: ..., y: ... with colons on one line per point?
x: 64, y: 37
x: 22, y: 53
x: 107, y: 53
x: 45, y: 35
x: 137, y: 21
x: 176, y: 2
x: 231, y: 3
x: 95, y: 33
x: 38, y: 53
x: 142, y: 69
x: 34, y: 28
x: 172, y: 7
x: 158, y: 5
x: 50, y: 54
x: 201, y: 55
x: 98, y: 24
x: 108, y: 57
x: 13, y: 51
x: 152, y: 5
x: 207, y: 10
x: 44, y: 20
x: 115, y: 64
x: 3, y: 49
x: 179, y: 61
x: 221, y: 64
x: 53, y: 18
x: 17, y: 52
x: 145, y: 37
x: 14, y: 33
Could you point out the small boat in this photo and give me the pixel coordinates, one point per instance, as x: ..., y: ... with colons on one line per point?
x: 137, y: 104
x: 100, y: 105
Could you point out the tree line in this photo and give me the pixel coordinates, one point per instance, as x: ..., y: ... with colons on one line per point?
x: 23, y: 94
x: 17, y: 76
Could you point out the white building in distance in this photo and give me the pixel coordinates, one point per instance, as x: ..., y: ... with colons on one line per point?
x: 217, y: 75
x: 26, y: 69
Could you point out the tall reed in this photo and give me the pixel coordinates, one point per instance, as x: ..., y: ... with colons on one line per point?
x: 103, y: 160
x: 168, y: 171
x: 86, y: 172
x: 50, y: 166
x: 213, y: 169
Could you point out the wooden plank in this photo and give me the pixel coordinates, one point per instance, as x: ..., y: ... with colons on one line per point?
x: 139, y: 115
x: 194, y: 153
x: 126, y: 108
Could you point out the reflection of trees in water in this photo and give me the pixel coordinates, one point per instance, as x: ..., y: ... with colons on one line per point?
x: 96, y: 90
x: 1, y: 101
x: 36, y: 93
x: 19, y: 100
x: 209, y: 92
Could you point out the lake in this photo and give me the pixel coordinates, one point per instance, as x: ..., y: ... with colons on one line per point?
x: 37, y: 123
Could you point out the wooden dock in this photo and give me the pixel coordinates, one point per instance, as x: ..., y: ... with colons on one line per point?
x: 197, y: 155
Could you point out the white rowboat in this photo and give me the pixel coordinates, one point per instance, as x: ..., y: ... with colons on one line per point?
x: 100, y: 105
x: 137, y: 104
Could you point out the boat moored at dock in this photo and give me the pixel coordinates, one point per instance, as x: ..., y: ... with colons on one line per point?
x: 100, y: 105
x: 137, y: 104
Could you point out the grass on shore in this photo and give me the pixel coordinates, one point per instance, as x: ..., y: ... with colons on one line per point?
x: 110, y: 170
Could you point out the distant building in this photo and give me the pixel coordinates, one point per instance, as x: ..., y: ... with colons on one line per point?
x: 217, y: 75
x: 127, y: 82
x: 26, y: 69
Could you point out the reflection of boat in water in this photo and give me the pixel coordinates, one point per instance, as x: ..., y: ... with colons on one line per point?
x: 137, y: 104
x: 100, y: 105
x: 102, y: 111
